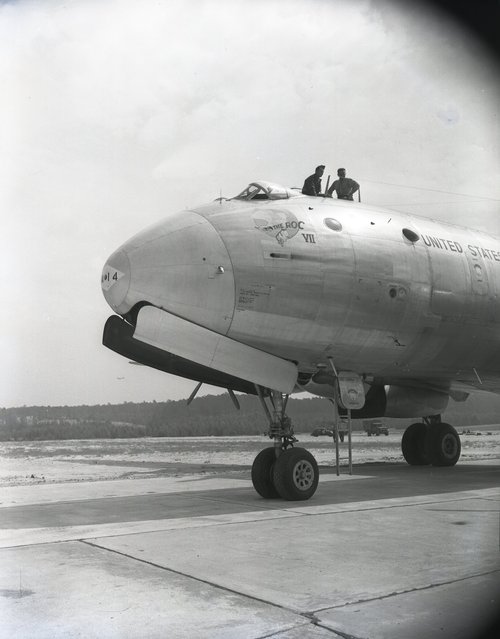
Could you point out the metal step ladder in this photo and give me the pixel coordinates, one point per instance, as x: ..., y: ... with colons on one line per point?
x: 349, y: 393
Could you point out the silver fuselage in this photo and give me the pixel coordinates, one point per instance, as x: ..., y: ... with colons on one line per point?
x: 390, y: 296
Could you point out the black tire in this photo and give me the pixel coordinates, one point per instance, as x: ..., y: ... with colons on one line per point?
x: 262, y: 474
x: 443, y: 445
x: 296, y: 474
x: 413, y: 445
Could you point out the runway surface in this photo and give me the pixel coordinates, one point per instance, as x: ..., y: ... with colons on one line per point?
x: 390, y: 552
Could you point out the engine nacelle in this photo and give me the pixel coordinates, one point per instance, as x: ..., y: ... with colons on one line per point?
x: 401, y: 401
x: 391, y: 401
x: 414, y: 402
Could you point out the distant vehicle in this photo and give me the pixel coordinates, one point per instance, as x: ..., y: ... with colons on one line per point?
x: 326, y: 432
x: 375, y: 427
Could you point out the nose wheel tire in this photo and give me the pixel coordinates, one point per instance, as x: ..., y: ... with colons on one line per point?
x: 296, y: 474
x: 262, y: 474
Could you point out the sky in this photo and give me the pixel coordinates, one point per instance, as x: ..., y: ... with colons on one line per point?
x: 114, y: 113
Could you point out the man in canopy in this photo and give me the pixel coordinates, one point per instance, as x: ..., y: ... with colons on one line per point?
x: 344, y: 186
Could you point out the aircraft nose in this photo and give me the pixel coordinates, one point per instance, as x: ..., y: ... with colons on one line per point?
x: 115, y: 279
x: 180, y: 265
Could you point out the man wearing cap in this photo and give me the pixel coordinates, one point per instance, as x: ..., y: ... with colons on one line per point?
x: 344, y: 186
x: 312, y: 184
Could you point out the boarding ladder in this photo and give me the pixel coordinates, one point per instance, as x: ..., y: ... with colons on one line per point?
x: 349, y: 394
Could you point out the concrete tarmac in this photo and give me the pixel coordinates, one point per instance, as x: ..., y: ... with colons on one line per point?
x: 390, y: 552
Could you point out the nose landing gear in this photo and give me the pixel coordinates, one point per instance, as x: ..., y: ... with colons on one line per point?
x: 263, y: 474
x: 296, y: 474
x: 282, y: 470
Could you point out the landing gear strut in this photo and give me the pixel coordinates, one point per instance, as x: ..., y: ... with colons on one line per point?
x: 282, y: 470
x: 431, y: 442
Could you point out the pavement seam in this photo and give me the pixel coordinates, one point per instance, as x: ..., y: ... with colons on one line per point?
x: 406, y: 592
x: 197, y: 495
x: 339, y: 633
x: 188, y: 576
x: 470, y: 510
x: 205, y: 520
x: 339, y: 509
x: 315, y: 622
x: 311, y: 616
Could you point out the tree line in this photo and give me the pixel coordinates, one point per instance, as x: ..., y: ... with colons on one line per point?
x: 212, y: 415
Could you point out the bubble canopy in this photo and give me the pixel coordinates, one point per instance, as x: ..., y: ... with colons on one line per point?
x: 267, y: 191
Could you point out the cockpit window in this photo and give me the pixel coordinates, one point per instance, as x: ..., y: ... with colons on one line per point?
x: 266, y: 191
x: 253, y: 192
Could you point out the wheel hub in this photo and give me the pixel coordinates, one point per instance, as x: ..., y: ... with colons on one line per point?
x: 449, y: 446
x: 303, y: 475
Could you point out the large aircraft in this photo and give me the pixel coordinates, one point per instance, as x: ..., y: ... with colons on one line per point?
x: 273, y: 292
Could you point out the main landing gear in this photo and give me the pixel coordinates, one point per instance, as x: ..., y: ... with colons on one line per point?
x: 431, y: 442
x: 283, y: 470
